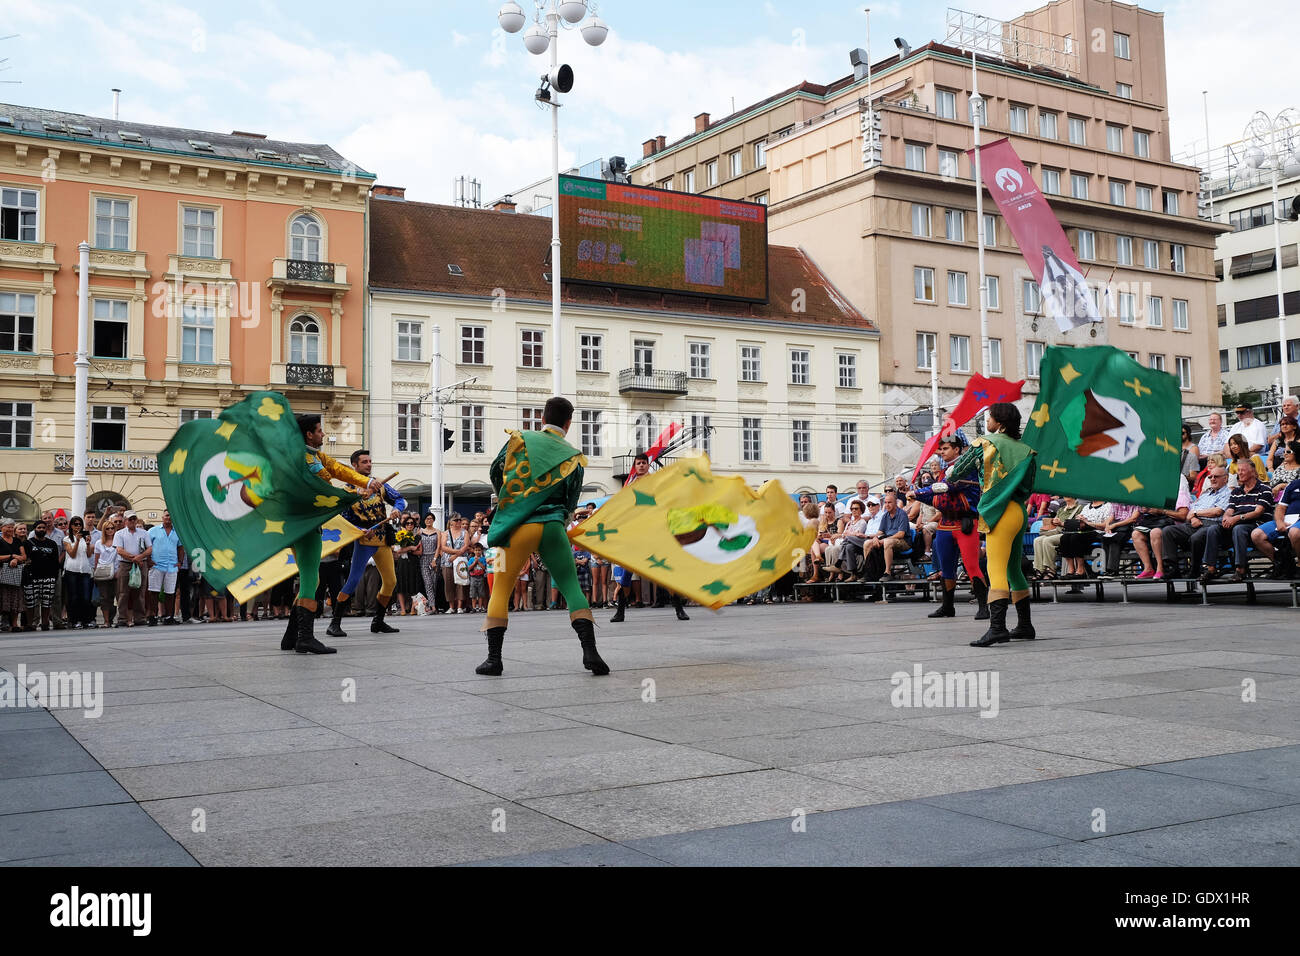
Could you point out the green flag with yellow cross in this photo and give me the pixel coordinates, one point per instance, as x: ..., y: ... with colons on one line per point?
x: 1106, y: 428
x: 239, y: 489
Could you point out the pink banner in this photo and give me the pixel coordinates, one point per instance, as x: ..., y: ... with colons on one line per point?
x: 1039, y: 235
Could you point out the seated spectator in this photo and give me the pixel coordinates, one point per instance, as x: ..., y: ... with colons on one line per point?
x: 1287, y: 432
x: 1248, y: 506
x: 1204, y: 513
x: 1216, y: 460
x: 1237, y: 453
x: 828, y: 527
x: 1080, y: 536
x: 1037, y: 507
x: 1116, y: 532
x: 895, y: 533
x: 1289, y: 469
x: 1190, y: 462
x: 852, y: 539
x: 1285, y: 524
x: 1150, y: 520
x: 1047, y: 543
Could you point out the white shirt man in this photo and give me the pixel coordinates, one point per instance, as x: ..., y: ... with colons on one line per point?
x: 863, y: 495
x: 833, y: 498
x: 1250, y: 428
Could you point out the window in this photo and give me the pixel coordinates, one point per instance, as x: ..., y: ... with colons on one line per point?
x: 914, y: 156
x: 1079, y: 185
x: 108, y: 328
x: 1047, y: 125
x: 666, y: 184
x: 1171, y: 202
x: 848, y: 367
x: 848, y: 443
x: 711, y: 173
x: 735, y: 163
x: 1141, y: 144
x: 1033, y: 358
x: 17, y: 322
x: 1144, y: 198
x: 644, y: 431
x: 1087, y: 243
x: 1118, y: 193
x: 1124, y: 90
x: 530, y: 419
x: 957, y: 288
x: 1124, y: 250
x: 408, y: 426
x: 194, y: 414
x: 751, y: 439
x: 1258, y: 356
x: 1178, y: 255
x: 1150, y: 254
x: 304, y: 238
x: 1251, y: 218
x: 954, y: 224
x: 990, y: 230
x: 761, y: 199
x: 198, y: 332
x: 16, y: 424
x: 1157, y: 362
x: 945, y: 104
x: 1180, y: 316
x: 18, y: 214
x: 800, y: 440
x: 1223, y: 361
x: 800, y: 367
x: 1115, y: 138
x: 760, y: 154
x: 1078, y: 131
x: 703, y: 434
x: 701, y: 359
x: 920, y: 220
x: 923, y: 284
x: 471, y: 430
x: 1132, y: 355
x: 531, y: 342
x: 409, y: 340
x: 948, y: 163
x: 688, y: 181
x: 199, y: 232
x: 995, y: 357
x: 643, y: 356
x: 1183, y: 369
x: 959, y: 352
x: 473, y: 344
x: 751, y: 363
x: 304, y: 341
x: 1155, y: 312
x: 1030, y: 294
x: 112, y: 223
x: 926, y: 344
x: 1121, y: 46
x: 591, y: 352
x: 1019, y: 119
x: 108, y: 428
x: 1051, y: 181
x: 994, y: 287
x: 1069, y: 43
x: 1127, y: 307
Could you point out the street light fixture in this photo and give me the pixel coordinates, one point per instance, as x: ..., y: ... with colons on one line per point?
x: 1275, y: 144
x: 544, y: 35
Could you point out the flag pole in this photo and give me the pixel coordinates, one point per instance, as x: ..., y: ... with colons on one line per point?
x: 976, y: 107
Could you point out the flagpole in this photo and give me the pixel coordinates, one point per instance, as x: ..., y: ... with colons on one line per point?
x: 976, y: 105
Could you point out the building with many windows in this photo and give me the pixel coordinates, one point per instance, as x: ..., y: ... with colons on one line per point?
x: 220, y: 263
x: 781, y: 390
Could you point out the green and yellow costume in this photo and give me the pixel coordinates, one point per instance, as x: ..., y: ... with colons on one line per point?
x: 1006, y: 473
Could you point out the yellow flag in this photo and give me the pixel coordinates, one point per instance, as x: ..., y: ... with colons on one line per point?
x: 335, y: 534
x: 709, y: 538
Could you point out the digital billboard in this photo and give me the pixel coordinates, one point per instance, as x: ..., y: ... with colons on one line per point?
x: 619, y: 235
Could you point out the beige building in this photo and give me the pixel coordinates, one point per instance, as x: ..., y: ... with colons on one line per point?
x: 774, y: 390
x: 883, y: 199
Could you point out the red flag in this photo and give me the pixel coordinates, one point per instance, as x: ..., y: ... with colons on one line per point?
x: 657, y: 449
x: 980, y: 393
x: 1039, y: 235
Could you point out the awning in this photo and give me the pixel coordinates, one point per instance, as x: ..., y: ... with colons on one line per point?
x: 1252, y: 262
x: 19, y: 506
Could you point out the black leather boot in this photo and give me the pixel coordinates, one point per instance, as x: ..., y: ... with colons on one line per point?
x: 946, y: 609
x: 377, y: 625
x: 290, y: 639
x: 307, y: 643
x: 622, y: 606
x: 1024, y: 627
x: 981, y: 589
x: 679, y: 605
x: 997, y: 632
x: 492, y: 667
x: 336, y: 619
x: 590, y: 658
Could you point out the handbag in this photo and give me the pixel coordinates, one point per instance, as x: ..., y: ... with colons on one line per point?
x: 11, y: 576
x: 1073, y: 525
x: 103, y: 571
x: 135, y: 578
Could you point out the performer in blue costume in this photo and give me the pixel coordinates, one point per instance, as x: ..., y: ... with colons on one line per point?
x: 370, y: 514
x: 956, y: 498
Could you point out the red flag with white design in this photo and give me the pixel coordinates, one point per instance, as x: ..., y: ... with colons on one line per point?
x: 980, y: 393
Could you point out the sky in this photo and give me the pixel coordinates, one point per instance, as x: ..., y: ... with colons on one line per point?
x: 420, y: 93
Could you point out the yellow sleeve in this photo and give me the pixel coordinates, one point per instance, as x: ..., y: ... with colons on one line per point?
x: 336, y: 469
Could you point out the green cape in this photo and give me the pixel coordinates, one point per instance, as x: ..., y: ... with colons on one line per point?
x: 532, y: 475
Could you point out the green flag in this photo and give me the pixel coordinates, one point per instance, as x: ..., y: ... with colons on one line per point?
x: 1106, y: 428
x: 239, y: 489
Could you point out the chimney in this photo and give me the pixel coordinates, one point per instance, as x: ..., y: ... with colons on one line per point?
x: 246, y: 135
x: 504, y: 204
x: 661, y: 143
x: 648, y: 148
x: 388, y: 192
x: 701, y: 122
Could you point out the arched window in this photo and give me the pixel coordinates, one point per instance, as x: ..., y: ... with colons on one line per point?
x: 645, y: 431
x: 305, y: 236
x: 304, y: 341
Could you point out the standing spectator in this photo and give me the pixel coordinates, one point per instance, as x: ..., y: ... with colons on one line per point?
x: 1287, y: 432
x: 1213, y: 440
x: 165, y: 554
x: 430, y: 571
x: 406, y: 553
x: 455, y: 542
x: 41, y: 575
x: 133, y: 553
x: 1250, y: 428
x: 832, y: 499
x: 57, y: 529
x: 1145, y: 540
x: 1190, y: 462
x: 105, y: 568
x: 521, y: 585
x: 476, y: 569
x: 1248, y: 506
x: 13, y: 555
x: 78, y: 560
x: 1203, y: 514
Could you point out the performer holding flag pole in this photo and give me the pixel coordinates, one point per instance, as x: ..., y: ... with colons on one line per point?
x: 623, y: 576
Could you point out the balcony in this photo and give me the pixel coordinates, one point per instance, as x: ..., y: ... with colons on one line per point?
x: 304, y: 274
x: 38, y: 256
x: 308, y: 376
x: 651, y: 382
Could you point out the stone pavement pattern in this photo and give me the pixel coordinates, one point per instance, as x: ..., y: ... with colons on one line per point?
x: 1133, y: 709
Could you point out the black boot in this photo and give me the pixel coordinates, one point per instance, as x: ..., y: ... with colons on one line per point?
x: 290, y: 639
x: 377, y: 625
x: 307, y: 643
x: 946, y: 609
x: 336, y: 620
x: 679, y: 605
x: 1024, y: 627
x: 622, y: 605
x: 997, y: 632
x: 590, y: 658
x: 981, y: 589
x: 492, y: 667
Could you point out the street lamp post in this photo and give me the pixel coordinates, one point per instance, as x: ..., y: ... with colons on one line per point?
x: 1273, y: 143
x: 537, y: 40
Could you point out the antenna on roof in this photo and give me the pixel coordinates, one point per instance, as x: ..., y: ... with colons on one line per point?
x: 4, y: 61
x: 466, y: 193
x: 117, y: 93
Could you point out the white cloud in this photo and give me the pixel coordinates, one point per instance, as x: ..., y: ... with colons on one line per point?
x: 459, y: 39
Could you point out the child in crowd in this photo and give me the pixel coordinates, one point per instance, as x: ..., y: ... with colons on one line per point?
x: 476, y: 568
